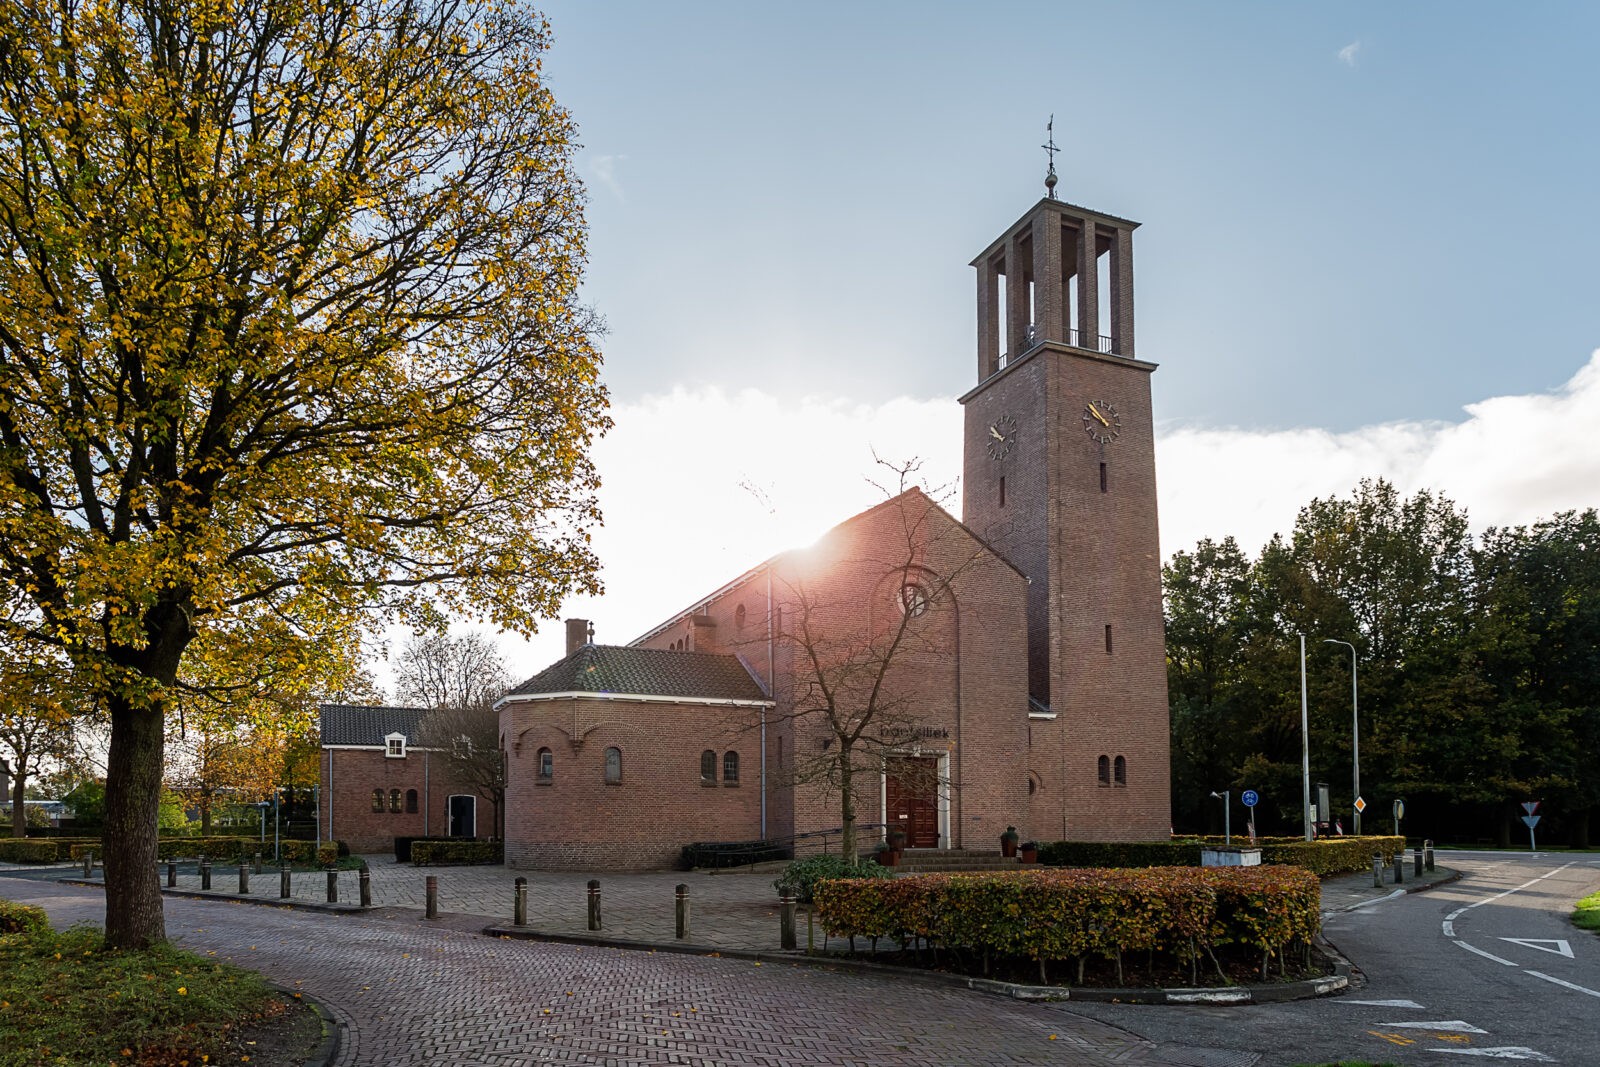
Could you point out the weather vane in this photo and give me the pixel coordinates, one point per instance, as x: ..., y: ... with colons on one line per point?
x: 1050, y: 149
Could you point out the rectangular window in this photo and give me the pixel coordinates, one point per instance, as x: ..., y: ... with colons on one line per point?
x: 1102, y: 477
x: 1108, y: 637
x: 1003, y: 489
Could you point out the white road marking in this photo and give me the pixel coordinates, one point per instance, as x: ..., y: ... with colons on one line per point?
x: 1514, y: 889
x: 1485, y: 955
x: 1505, y: 1052
x: 1378, y: 900
x: 1569, y: 985
x: 1385, y: 1003
x: 1456, y: 1025
x: 1562, y: 948
x: 1449, y: 928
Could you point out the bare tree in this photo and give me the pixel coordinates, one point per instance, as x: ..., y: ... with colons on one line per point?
x: 860, y: 614
x: 37, y: 717
x: 458, y: 679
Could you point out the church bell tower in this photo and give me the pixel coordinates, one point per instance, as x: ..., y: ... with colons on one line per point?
x: 1059, y: 477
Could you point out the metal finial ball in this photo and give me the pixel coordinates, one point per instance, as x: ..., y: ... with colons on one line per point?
x: 1050, y: 181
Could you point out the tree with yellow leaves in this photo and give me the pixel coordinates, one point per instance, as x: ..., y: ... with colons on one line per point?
x: 290, y: 346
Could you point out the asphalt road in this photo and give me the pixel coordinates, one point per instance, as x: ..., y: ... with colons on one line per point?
x: 1489, y: 967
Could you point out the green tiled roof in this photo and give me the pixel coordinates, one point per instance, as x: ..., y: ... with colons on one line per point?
x: 645, y: 672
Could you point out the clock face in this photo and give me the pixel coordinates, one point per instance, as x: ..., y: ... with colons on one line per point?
x: 1101, y: 421
x: 1002, y: 435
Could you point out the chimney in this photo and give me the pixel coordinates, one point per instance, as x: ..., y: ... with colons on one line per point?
x: 579, y: 633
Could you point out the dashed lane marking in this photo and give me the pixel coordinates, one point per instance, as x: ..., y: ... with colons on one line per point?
x: 1568, y: 985
x: 1458, y: 1026
x: 1557, y: 945
x: 1485, y: 955
x: 1385, y: 1003
x: 1504, y: 1052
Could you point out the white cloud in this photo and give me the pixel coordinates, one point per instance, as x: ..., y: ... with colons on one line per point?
x: 681, y: 516
x: 604, y: 169
x: 1347, y: 54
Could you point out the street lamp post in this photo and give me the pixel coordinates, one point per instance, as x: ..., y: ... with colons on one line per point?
x: 1355, y: 729
x: 1227, y: 815
x: 1305, y: 745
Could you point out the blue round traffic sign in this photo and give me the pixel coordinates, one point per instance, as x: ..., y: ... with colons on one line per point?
x: 1250, y: 798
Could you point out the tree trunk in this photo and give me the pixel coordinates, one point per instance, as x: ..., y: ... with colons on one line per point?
x: 847, y: 806
x: 19, y: 791
x: 134, y: 918
x: 1502, y: 826
x: 205, y: 817
x: 1578, y: 828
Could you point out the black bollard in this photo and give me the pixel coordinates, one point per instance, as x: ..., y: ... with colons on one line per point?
x: 594, y: 904
x: 683, y: 912
x: 258, y: 863
x: 88, y: 862
x: 1427, y: 850
x: 432, y: 911
x: 172, y: 874
x: 333, y: 884
x: 283, y: 883
x: 1377, y: 870
x: 519, y: 903
x: 1400, y: 866
x: 786, y: 936
x: 205, y: 873
x: 1416, y: 862
x: 365, y: 879
x: 244, y: 879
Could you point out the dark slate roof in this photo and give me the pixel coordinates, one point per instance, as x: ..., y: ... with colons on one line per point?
x: 357, y: 724
x: 645, y: 672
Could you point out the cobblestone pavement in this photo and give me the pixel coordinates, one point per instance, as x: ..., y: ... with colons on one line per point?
x: 410, y: 992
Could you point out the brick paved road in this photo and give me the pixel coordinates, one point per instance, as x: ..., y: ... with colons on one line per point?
x: 411, y: 993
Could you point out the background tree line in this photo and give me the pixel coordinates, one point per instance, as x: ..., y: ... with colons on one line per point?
x: 1478, y: 664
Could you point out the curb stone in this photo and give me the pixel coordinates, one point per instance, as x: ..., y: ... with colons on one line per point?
x: 1401, y: 890
x: 1304, y: 989
x: 332, y: 1029
x: 248, y: 898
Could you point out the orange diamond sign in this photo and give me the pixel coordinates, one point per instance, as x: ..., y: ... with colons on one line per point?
x: 1361, y: 805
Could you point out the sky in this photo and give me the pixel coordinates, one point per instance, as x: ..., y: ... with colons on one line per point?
x: 1367, y: 249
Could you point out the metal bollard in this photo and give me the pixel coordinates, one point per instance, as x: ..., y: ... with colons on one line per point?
x: 1416, y: 862
x: 519, y: 903
x: 594, y: 904
x: 1400, y: 866
x: 786, y: 937
x: 258, y: 863
x: 205, y: 873
x: 244, y: 879
x: 364, y: 877
x: 333, y: 884
x: 88, y: 863
x: 433, y: 897
x: 1377, y: 870
x: 283, y: 883
x: 1427, y: 850
x: 682, y: 924
x: 172, y: 874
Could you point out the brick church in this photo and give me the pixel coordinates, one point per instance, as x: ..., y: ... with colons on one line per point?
x: 1006, y: 668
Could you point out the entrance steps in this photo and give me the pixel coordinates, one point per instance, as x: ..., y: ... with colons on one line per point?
x: 951, y: 860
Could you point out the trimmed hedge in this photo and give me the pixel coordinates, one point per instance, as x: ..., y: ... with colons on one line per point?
x: 803, y: 875
x: 1051, y: 916
x: 450, y: 851
x: 1323, y: 857
x: 718, y: 854
x: 22, y: 918
x: 27, y: 850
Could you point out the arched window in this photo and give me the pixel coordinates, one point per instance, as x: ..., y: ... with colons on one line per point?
x: 730, y: 768
x: 708, y: 767
x: 394, y: 801
x: 547, y: 764
x: 411, y: 801
x: 613, y: 765
x: 377, y: 800
x: 1105, y: 770
x: 914, y: 599
x: 738, y: 617
x: 1122, y: 771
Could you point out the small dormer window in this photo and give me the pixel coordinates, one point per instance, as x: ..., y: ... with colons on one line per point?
x: 395, y: 746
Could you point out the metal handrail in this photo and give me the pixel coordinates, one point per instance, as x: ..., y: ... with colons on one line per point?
x: 1033, y: 336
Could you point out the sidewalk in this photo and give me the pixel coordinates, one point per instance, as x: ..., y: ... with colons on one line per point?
x: 734, y: 909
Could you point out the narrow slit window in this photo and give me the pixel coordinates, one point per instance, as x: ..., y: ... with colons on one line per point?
x: 1102, y: 477
x: 547, y: 765
x: 1003, y: 487
x: 1108, y: 638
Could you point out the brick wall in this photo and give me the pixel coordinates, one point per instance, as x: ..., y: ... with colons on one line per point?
x: 355, y: 773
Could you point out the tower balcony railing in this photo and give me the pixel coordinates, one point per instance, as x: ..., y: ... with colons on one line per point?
x: 1033, y: 336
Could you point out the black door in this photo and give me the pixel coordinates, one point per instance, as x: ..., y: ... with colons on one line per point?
x: 463, y: 816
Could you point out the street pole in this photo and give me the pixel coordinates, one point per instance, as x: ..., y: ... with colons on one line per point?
x: 1305, y: 745
x: 1227, y: 815
x: 277, y: 848
x: 1355, y: 729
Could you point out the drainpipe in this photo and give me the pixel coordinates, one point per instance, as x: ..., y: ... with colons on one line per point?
x: 427, y: 797
x: 330, y: 796
x: 956, y: 830
x: 772, y: 688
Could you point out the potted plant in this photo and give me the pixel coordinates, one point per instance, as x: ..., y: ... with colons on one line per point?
x: 1030, y: 851
x: 1008, y: 842
x: 886, y: 856
x: 897, y: 839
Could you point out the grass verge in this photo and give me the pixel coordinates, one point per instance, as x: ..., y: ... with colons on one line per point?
x: 1586, y: 915
x: 68, y: 999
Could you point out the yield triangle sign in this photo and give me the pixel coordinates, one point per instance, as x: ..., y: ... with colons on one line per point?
x: 1556, y: 945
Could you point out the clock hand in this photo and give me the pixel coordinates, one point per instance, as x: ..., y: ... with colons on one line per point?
x: 996, y: 434
x: 1099, y: 417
